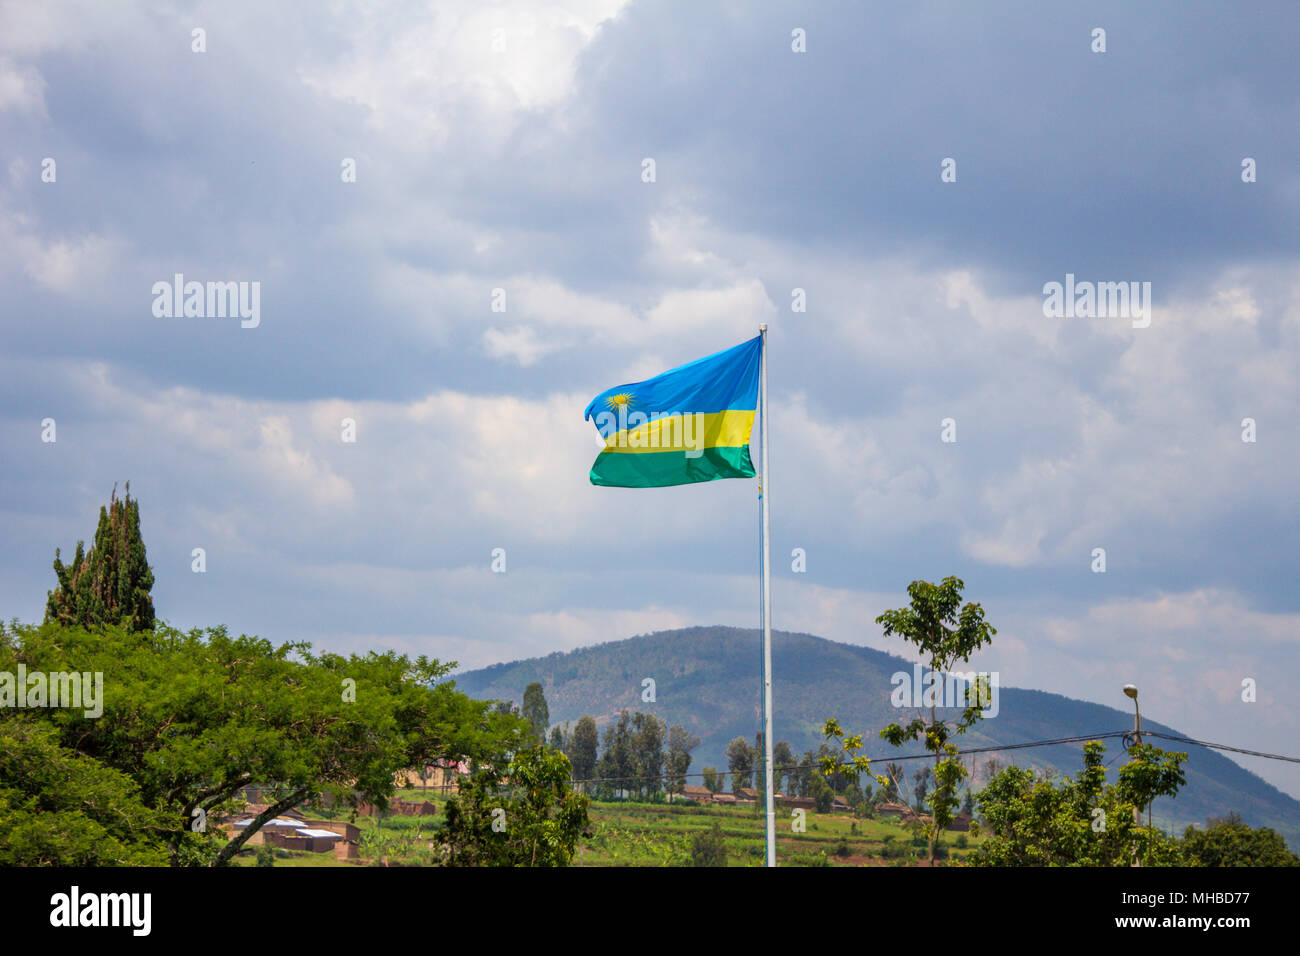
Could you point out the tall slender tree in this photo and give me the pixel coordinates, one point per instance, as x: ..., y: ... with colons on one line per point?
x: 585, y: 740
x: 648, y: 733
x: 740, y: 761
x: 535, y: 711
x: 680, y: 744
x: 110, y: 583
x: 946, y: 631
x: 783, y: 765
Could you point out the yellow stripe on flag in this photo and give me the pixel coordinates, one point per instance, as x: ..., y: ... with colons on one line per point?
x: 689, y: 431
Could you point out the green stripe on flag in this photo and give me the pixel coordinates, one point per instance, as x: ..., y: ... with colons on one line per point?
x: 659, y: 469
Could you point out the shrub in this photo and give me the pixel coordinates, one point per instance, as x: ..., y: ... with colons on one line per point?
x: 708, y: 848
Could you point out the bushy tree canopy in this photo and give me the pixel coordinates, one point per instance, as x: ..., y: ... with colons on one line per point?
x: 191, y: 718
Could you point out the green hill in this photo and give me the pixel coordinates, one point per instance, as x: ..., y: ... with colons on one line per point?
x: 707, y: 680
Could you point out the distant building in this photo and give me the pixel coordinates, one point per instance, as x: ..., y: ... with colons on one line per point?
x: 310, y: 839
x: 287, y: 832
x: 697, y: 793
x: 295, y: 833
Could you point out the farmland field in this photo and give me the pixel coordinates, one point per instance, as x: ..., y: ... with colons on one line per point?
x: 626, y: 833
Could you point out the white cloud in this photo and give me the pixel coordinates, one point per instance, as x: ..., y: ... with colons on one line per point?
x: 422, y: 77
x: 22, y: 88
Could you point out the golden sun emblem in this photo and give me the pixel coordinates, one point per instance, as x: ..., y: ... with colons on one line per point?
x: 622, y: 400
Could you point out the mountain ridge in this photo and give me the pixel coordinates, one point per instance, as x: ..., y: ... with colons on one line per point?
x: 706, y: 678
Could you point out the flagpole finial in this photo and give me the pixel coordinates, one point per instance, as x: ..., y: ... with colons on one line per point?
x: 763, y: 327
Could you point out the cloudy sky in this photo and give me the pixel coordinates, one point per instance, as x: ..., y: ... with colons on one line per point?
x: 502, y: 146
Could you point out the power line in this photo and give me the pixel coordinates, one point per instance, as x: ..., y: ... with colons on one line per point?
x: 1202, y: 743
x: 891, y: 758
x: 898, y: 758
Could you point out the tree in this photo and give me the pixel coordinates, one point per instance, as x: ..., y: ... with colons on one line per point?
x: 1083, y: 822
x: 648, y: 754
x: 1228, y: 841
x: 783, y: 765
x: 822, y: 794
x: 709, y: 847
x: 807, y: 771
x: 535, y: 711
x: 583, y: 749
x: 740, y: 761
x: 712, y: 779
x: 895, y: 775
x: 617, y: 765
x: 922, y: 780
x: 680, y: 744
x: 760, y: 773
x: 61, y: 808
x: 968, y: 803
x: 111, y: 583
x: 193, y: 718
x: 558, y: 740
x: 945, y: 631
x: 991, y: 768
x: 533, y: 820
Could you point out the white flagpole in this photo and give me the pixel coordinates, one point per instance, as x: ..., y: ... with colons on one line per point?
x: 767, y: 623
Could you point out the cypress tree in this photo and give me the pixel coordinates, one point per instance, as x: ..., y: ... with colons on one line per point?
x: 111, y: 583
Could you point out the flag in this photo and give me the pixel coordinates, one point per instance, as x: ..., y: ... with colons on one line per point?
x: 691, y: 423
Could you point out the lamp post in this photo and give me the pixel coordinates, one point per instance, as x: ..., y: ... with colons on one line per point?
x: 1132, y: 691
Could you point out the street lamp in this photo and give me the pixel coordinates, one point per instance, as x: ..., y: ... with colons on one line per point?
x: 1131, y: 690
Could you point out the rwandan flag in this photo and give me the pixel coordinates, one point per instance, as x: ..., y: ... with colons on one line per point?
x: 689, y: 424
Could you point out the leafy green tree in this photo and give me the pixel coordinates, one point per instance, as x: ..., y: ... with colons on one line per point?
x: 945, y: 631
x: 968, y: 803
x: 558, y: 741
x: 1038, y: 821
x: 680, y: 744
x: 111, y: 583
x: 583, y: 748
x: 740, y: 762
x: 783, y: 767
x: 648, y: 733
x: 822, y: 794
x: 712, y: 779
x: 709, y: 847
x: 61, y: 808
x: 807, y: 772
x: 526, y: 816
x: 535, y: 711
x: 839, y: 780
x: 1228, y: 841
x: 193, y: 718
x: 617, y: 765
